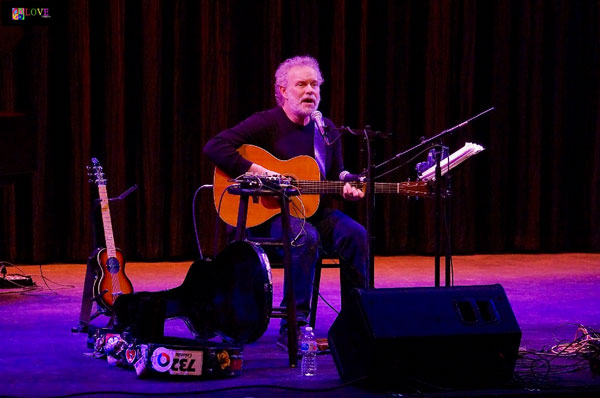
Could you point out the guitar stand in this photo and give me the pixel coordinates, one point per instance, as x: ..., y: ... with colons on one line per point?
x: 289, y: 311
x: 88, y: 297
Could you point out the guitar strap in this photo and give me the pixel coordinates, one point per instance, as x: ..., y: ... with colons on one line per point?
x: 320, y: 152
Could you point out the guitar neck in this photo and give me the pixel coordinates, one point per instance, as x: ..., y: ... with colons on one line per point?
x: 301, y: 172
x: 331, y: 187
x: 111, y: 250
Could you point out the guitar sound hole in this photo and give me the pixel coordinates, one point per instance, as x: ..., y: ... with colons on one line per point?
x: 112, y: 265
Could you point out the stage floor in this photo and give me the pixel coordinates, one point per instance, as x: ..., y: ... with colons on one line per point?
x: 550, y: 294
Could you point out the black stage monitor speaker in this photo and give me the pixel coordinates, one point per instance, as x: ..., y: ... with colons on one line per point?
x: 457, y: 337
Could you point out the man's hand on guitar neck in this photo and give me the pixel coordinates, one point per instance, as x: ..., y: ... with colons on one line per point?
x: 352, y: 193
x: 261, y: 171
x: 349, y: 192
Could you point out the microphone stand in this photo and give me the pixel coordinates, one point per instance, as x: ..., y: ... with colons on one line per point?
x: 435, y: 143
x: 368, y: 135
x: 370, y: 211
x: 437, y: 213
x: 448, y: 263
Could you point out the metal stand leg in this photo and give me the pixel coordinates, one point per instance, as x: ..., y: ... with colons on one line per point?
x: 85, y: 314
x: 87, y: 297
x: 315, y: 295
x: 290, y: 299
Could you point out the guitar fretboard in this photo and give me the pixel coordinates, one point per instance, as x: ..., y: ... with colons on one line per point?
x: 329, y: 187
x: 108, y: 231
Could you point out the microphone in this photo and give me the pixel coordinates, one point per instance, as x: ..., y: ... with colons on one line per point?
x: 317, y: 116
x: 346, y: 176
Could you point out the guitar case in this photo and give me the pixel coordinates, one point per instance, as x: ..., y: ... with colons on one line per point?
x: 230, y: 296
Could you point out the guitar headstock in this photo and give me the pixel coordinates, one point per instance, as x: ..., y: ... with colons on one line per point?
x: 417, y: 188
x: 96, y: 173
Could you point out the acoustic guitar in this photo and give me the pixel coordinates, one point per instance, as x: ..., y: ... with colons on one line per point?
x: 111, y: 281
x: 303, y: 171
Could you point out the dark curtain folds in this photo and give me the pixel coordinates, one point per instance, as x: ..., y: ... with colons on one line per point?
x: 142, y: 85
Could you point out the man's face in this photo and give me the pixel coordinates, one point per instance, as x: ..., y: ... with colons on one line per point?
x: 302, y: 94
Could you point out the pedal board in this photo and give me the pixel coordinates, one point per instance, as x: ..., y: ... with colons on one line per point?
x: 171, y: 357
x: 15, y: 282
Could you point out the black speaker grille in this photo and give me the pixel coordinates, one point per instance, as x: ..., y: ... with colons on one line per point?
x: 464, y: 336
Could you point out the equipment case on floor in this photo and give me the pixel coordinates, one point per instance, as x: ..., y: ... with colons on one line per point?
x: 171, y: 357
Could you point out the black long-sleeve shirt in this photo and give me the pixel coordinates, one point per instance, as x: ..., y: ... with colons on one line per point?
x: 273, y: 131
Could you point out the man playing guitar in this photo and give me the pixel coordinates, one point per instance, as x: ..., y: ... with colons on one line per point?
x: 288, y: 131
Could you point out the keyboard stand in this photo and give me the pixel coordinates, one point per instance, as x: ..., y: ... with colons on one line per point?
x: 284, y: 199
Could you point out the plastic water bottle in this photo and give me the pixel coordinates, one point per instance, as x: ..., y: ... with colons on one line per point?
x: 308, y: 348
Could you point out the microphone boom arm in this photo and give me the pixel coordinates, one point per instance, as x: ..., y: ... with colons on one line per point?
x: 427, y: 142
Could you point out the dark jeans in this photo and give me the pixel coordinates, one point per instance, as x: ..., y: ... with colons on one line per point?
x: 333, y: 233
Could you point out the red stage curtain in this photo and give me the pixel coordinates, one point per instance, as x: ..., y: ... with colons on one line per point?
x: 142, y: 85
